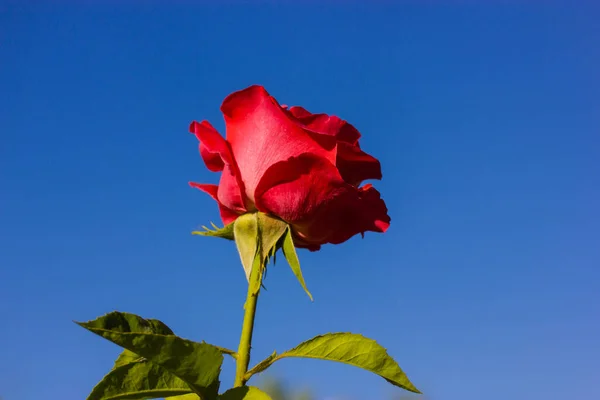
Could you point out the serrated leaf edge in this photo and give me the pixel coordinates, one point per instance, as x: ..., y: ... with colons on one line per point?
x: 267, y: 362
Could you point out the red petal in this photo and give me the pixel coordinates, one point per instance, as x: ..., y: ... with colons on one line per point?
x: 209, y: 189
x: 300, y: 243
x: 355, y: 165
x: 309, y: 193
x: 294, y: 189
x: 227, y: 215
x: 231, y: 190
x: 216, y: 154
x: 300, y: 112
x: 262, y: 134
x: 329, y: 124
x: 213, y: 148
x: 357, y: 211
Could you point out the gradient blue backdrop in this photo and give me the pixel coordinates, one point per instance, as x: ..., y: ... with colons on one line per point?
x: 486, y: 120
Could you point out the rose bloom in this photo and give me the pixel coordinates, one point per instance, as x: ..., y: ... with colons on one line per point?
x: 303, y: 168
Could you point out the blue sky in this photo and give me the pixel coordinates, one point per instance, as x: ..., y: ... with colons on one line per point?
x: 486, y: 120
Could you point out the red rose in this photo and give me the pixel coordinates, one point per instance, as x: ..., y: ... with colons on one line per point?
x: 303, y: 168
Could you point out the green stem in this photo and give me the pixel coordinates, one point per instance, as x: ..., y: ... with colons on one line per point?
x: 243, y: 353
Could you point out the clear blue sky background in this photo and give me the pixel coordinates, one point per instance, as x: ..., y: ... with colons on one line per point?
x: 486, y: 120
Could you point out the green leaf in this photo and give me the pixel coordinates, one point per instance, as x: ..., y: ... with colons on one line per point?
x: 225, y: 232
x: 126, y: 357
x: 127, y: 322
x: 261, y: 366
x: 197, y: 364
x: 289, y: 251
x: 134, y: 323
x: 245, y: 393
x: 138, y: 380
x: 347, y: 348
x: 223, y: 350
x: 192, y: 396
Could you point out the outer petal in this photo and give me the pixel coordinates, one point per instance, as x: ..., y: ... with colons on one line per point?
x: 329, y: 124
x: 354, y: 165
x: 309, y: 193
x: 261, y: 133
x: 217, y: 155
x: 207, y: 188
x: 213, y: 148
x: 227, y: 215
x: 358, y: 210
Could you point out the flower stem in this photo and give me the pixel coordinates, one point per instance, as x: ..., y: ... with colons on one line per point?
x: 243, y: 353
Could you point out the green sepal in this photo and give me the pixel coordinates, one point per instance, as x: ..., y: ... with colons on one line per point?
x: 270, y: 230
x: 256, y: 236
x: 289, y: 251
x: 225, y: 232
x: 245, y: 233
x: 257, y: 268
